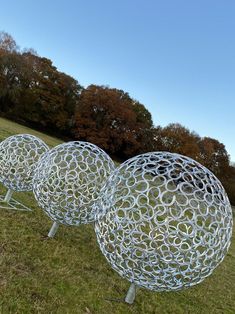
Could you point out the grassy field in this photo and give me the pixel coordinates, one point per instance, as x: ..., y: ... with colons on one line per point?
x: 68, y: 274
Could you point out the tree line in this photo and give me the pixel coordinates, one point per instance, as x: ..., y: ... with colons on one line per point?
x: 34, y: 93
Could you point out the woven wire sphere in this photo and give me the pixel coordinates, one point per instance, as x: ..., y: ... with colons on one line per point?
x: 19, y: 155
x: 168, y: 221
x: 68, y: 180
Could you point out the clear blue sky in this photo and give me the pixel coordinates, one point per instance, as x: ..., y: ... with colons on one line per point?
x: 177, y: 57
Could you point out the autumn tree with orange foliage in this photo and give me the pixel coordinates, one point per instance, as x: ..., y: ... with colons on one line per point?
x: 53, y: 95
x: 112, y: 120
x: 34, y: 92
x: 210, y: 152
x: 214, y: 156
x: 176, y: 138
x: 7, y: 43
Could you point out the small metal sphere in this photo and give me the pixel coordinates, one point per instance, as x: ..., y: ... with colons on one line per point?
x: 19, y: 155
x: 168, y: 221
x: 68, y: 180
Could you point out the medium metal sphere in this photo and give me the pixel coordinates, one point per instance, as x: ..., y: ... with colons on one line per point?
x: 68, y: 180
x: 19, y: 155
x: 168, y: 221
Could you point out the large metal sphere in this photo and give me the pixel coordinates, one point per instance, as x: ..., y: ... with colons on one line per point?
x: 168, y: 221
x: 68, y: 180
x: 19, y: 155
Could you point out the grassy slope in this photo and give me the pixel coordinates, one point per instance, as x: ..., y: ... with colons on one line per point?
x: 68, y: 274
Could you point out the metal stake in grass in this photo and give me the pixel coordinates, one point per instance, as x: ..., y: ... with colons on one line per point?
x: 8, y: 202
x: 8, y: 196
x: 131, y: 293
x: 53, y: 230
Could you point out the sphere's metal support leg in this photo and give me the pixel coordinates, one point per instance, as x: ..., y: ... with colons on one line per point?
x: 8, y: 196
x: 131, y: 293
x: 53, y: 230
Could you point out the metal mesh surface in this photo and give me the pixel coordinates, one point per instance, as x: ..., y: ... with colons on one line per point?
x: 168, y: 221
x: 19, y: 155
x: 68, y: 180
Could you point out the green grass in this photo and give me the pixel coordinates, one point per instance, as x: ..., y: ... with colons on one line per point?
x: 68, y: 274
x: 8, y: 128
